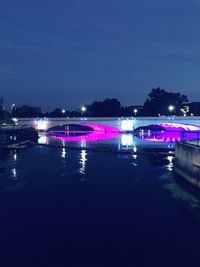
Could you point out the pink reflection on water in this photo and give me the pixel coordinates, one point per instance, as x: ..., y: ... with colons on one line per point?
x: 167, y: 137
x: 179, y: 126
x: 174, y: 132
x: 100, y: 132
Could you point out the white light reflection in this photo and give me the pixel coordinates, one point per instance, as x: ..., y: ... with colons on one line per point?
x: 15, y: 156
x: 14, y: 173
x: 83, y: 160
x: 63, y: 142
x: 127, y: 140
x: 83, y: 143
x: 135, y: 151
x: 170, y: 165
x: 43, y: 139
x: 63, y: 153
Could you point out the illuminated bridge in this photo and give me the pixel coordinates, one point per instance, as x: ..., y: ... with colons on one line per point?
x: 114, y: 124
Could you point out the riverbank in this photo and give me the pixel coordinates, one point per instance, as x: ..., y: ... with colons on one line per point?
x: 16, y: 137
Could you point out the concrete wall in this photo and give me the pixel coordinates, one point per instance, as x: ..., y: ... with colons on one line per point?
x: 187, y: 163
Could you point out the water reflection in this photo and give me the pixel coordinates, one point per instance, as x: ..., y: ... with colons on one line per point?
x: 14, y: 173
x: 83, y: 144
x: 15, y: 156
x: 168, y: 136
x: 170, y: 165
x: 43, y: 139
x: 82, y: 162
x: 125, y: 141
x: 83, y: 136
x: 63, y: 153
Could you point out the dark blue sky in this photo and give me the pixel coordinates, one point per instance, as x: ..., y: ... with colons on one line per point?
x: 70, y: 52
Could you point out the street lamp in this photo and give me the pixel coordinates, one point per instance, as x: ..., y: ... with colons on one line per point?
x: 135, y: 111
x: 83, y: 109
x: 171, y: 108
x: 63, y: 111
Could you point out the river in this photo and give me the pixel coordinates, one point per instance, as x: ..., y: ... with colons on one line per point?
x: 63, y: 207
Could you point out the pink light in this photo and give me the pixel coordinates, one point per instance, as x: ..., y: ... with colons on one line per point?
x: 179, y: 126
x: 173, y: 132
x: 102, y: 128
x: 100, y: 132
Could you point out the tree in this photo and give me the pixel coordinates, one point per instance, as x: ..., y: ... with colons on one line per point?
x: 107, y: 108
x: 56, y: 113
x: 159, y: 100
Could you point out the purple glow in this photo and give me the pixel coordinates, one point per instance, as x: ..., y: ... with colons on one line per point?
x: 167, y: 137
x: 101, y: 128
x: 173, y: 132
x: 179, y: 126
x: 100, y: 132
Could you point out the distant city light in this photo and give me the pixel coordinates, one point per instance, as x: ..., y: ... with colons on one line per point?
x: 63, y: 111
x: 127, y: 125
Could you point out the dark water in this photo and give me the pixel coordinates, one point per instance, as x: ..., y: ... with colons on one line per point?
x: 74, y: 208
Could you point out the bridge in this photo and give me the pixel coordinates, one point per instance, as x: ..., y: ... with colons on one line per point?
x: 110, y: 124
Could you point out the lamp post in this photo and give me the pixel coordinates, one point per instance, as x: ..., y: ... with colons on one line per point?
x: 63, y: 112
x: 171, y: 108
x: 83, y: 109
x: 135, y: 111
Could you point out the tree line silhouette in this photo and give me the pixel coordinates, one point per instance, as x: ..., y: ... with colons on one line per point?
x: 157, y: 104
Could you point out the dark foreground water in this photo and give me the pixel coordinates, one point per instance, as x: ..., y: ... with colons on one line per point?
x: 73, y: 208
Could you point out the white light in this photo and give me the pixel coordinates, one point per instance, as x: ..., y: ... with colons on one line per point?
x: 135, y: 110
x: 83, y: 159
x: 170, y: 165
x: 42, y: 125
x: 171, y: 108
x: 63, y: 154
x: 15, y: 119
x: 63, y: 111
x: 127, y: 139
x: 15, y: 157
x: 43, y: 139
x: 127, y: 125
x: 83, y: 109
x: 14, y: 173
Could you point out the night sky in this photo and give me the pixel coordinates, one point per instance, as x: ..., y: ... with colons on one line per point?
x: 67, y: 53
